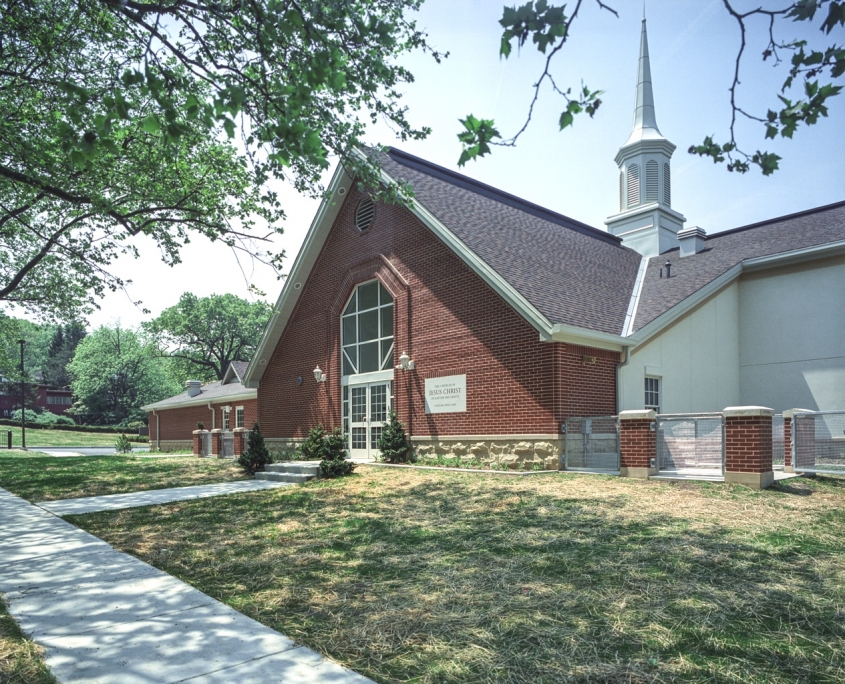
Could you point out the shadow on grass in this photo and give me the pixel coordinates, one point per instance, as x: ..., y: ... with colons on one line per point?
x: 466, y: 579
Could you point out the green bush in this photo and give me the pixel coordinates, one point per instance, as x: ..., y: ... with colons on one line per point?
x: 256, y: 455
x: 394, y: 445
x: 334, y: 462
x: 51, y: 419
x: 312, y: 448
x: 123, y: 445
x: 31, y: 417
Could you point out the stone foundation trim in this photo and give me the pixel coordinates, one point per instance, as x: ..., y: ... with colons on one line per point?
x: 172, y: 445
x: 741, y: 411
x: 514, y: 452
x: 640, y: 473
x: 643, y: 414
x: 752, y: 480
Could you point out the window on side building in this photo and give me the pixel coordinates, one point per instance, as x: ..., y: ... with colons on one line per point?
x: 239, y: 416
x: 226, y: 425
x: 652, y: 394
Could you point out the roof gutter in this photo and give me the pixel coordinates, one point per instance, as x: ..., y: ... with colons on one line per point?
x: 248, y: 394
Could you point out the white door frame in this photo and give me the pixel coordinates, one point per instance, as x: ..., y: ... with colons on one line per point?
x: 369, y: 404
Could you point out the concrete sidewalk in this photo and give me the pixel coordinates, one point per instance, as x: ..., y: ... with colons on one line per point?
x: 104, y: 616
x: 152, y: 497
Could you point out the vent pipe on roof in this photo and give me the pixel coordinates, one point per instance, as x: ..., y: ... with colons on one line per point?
x: 692, y: 240
x: 194, y: 387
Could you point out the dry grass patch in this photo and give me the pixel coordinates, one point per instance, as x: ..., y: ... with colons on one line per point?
x: 21, y: 659
x: 46, y: 478
x: 423, y: 576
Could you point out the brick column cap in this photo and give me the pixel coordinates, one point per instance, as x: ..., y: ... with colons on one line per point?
x: 739, y: 411
x: 642, y: 414
x: 216, y: 431
x: 199, y: 432
x: 789, y: 412
x: 243, y: 429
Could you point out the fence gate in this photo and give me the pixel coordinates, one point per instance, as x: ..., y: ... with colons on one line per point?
x: 777, y: 441
x: 227, y: 445
x: 592, y: 444
x: 205, y: 444
x: 818, y: 442
x: 691, y: 442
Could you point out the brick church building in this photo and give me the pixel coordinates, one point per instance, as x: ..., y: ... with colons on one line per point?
x: 486, y: 321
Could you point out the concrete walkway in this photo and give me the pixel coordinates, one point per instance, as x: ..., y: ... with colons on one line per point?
x: 114, y: 502
x: 104, y: 616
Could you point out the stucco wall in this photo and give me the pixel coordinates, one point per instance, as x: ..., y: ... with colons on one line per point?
x: 697, y: 359
x: 792, y: 336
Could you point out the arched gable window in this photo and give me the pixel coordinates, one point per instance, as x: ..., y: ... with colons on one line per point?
x: 633, y: 185
x: 366, y: 327
x: 651, y: 171
x: 667, y: 187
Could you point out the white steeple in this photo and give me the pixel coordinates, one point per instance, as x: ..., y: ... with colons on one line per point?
x: 645, y: 221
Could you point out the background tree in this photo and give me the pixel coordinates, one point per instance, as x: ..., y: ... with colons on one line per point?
x: 60, y: 353
x: 38, y: 338
x: 802, y: 100
x: 114, y: 372
x: 119, y: 119
x: 203, y: 335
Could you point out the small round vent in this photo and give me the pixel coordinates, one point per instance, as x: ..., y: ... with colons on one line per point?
x: 364, y: 214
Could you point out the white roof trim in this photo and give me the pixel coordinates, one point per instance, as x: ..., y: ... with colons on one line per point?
x: 628, y: 326
x: 199, y: 400
x: 749, y: 265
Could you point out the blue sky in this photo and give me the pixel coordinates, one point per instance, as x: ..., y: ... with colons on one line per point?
x: 693, y: 47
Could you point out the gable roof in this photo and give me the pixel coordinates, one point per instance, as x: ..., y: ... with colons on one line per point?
x: 571, y: 273
x: 724, y: 251
x: 235, y: 372
x: 229, y: 388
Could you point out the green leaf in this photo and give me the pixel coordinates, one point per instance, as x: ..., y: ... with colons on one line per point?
x: 151, y: 124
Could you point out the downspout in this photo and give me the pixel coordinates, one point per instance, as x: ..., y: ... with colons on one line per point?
x: 210, y: 408
x: 619, y: 367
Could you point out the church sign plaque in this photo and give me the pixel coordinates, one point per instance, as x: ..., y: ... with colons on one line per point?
x: 446, y: 395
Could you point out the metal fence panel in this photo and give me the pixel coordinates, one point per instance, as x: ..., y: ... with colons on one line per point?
x: 592, y: 444
x: 777, y: 441
x: 819, y: 442
x: 205, y: 444
x: 690, y: 442
x: 227, y: 446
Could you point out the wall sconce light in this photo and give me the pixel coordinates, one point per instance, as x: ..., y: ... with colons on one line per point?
x: 405, y: 362
x: 319, y: 375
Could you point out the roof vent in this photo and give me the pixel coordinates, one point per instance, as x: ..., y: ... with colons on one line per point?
x: 364, y: 214
x: 194, y: 387
x: 691, y: 240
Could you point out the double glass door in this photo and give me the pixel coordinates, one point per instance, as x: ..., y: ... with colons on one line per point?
x: 368, y: 408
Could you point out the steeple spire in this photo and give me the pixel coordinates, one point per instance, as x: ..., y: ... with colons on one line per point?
x: 645, y: 121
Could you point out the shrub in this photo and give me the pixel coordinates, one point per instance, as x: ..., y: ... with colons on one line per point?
x: 312, y: 448
x: 65, y: 420
x: 334, y: 462
x: 31, y: 416
x: 394, y: 445
x: 47, y: 418
x: 256, y: 455
x: 123, y: 445
x: 200, y: 426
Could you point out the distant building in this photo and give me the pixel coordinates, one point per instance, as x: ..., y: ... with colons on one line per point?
x: 56, y: 401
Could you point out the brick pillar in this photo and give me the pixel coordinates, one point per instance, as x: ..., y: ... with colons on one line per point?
x: 216, y: 442
x: 240, y: 440
x: 787, y: 441
x: 748, y: 446
x: 637, y: 443
x: 198, y: 442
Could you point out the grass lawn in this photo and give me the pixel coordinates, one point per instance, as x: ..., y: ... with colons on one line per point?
x: 45, y: 478
x: 44, y: 438
x: 424, y: 576
x: 20, y: 657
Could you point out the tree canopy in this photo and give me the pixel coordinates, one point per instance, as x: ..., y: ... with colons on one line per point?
x: 168, y: 118
x: 812, y: 70
x: 114, y: 372
x: 203, y: 335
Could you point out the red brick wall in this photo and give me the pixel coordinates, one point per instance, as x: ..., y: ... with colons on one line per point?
x: 636, y: 443
x: 180, y: 423
x: 748, y: 444
x: 448, y: 320
x: 787, y: 442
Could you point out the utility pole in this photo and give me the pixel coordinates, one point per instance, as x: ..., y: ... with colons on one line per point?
x: 23, y: 399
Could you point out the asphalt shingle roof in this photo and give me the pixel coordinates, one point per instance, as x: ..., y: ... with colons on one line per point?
x: 213, y: 391
x: 725, y: 250
x: 240, y: 367
x: 571, y: 273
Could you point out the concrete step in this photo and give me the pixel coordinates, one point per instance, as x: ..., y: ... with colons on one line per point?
x: 297, y: 478
x: 301, y: 468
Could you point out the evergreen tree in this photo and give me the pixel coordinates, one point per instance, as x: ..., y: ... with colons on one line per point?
x: 62, y: 348
x: 394, y: 445
x: 123, y: 445
x: 256, y: 455
x: 312, y: 448
x: 334, y: 461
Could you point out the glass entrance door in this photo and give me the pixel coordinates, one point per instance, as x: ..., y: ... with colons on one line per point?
x: 369, y: 405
